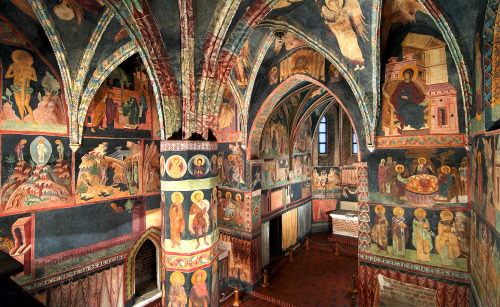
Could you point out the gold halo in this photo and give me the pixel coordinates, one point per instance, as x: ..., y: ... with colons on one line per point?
x: 199, y: 272
x: 177, y: 193
x: 399, y: 165
x: 24, y: 141
x: 446, y: 215
x: 424, y: 214
x: 23, y: 57
x: 196, y: 192
x: 238, y: 197
x: 230, y: 157
x: 412, y: 67
x: 398, y: 209
x: 229, y: 195
x: 422, y: 158
x: 196, y: 158
x: 379, y: 208
x: 444, y: 167
x: 177, y: 277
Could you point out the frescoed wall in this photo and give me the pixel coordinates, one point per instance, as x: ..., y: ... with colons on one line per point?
x: 89, y: 88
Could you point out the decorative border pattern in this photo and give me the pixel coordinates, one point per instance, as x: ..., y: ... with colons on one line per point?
x: 363, y: 208
x: 449, y: 140
x: 189, y: 263
x: 188, y: 145
x: 414, y: 266
x: 88, y: 268
x: 230, y: 137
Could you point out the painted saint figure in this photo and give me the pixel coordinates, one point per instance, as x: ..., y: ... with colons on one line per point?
x: 380, y: 229
x: 41, y: 151
x: 19, y: 150
x: 199, y: 220
x: 199, y: 169
x: 143, y: 108
x: 111, y: 111
x: 199, y: 295
x: 131, y: 109
x: 177, y: 295
x: 409, y: 102
x: 23, y: 73
x: 446, y: 240
x: 421, y: 237
x: 60, y: 149
x: 177, y: 221
x: 99, y: 110
x: 382, y: 170
x: 400, y: 232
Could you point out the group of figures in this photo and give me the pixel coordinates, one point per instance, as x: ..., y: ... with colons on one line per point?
x: 36, y: 182
x: 231, y: 211
x: 446, y: 242
x: 130, y: 113
x: 198, y: 221
x: 231, y: 169
x: 199, y: 295
x: 325, y: 182
x: 422, y: 184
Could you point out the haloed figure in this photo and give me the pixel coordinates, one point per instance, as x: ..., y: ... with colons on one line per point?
x: 199, y: 220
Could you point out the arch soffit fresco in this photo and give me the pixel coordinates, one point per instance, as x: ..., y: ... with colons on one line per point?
x: 273, y: 99
x: 73, y: 89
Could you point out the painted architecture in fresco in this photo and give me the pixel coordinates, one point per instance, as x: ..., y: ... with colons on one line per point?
x: 192, y: 138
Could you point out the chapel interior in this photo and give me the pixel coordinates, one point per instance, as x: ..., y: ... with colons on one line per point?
x: 275, y: 152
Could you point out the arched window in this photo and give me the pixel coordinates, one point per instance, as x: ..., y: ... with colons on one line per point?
x: 322, y: 136
x: 354, y: 143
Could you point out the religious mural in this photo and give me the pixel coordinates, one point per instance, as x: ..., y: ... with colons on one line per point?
x: 31, y: 91
x: 112, y: 169
x: 326, y: 182
x: 231, y: 166
x: 191, y: 217
x: 232, y: 209
x: 151, y: 168
x: 485, y: 267
x: 194, y: 288
x: 338, y: 16
x: 228, y: 113
x: 116, y: 111
x: 275, y: 136
x: 432, y: 237
x: 419, y: 177
x: 36, y: 172
x: 419, y: 96
x: 16, y: 240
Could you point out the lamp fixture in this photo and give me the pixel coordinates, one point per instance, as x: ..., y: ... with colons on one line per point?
x: 279, y: 33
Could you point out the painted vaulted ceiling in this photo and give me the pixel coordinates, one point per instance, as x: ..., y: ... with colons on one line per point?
x: 194, y: 49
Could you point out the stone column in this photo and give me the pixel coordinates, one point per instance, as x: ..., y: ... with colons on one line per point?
x: 190, y: 233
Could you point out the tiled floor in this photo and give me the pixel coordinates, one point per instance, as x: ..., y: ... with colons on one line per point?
x: 315, y: 278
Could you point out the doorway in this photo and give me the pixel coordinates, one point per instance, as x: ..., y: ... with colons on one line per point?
x: 275, y: 237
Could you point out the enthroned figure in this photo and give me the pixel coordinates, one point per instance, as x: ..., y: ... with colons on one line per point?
x: 404, y: 106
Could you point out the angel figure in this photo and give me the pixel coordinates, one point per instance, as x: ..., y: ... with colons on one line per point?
x: 337, y: 15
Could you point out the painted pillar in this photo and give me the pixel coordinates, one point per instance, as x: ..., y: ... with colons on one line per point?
x: 190, y: 233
